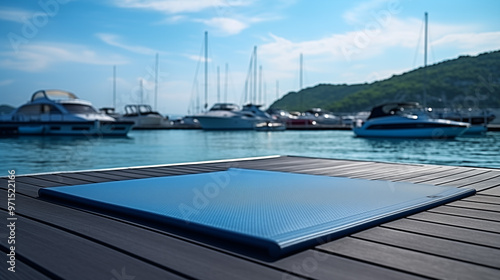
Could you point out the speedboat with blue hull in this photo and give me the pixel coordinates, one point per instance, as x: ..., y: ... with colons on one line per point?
x: 57, y: 112
x: 407, y: 120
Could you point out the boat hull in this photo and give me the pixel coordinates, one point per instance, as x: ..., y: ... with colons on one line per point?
x: 101, y: 128
x: 224, y: 123
x: 435, y: 133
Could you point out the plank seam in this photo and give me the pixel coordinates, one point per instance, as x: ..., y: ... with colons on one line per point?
x: 423, y: 252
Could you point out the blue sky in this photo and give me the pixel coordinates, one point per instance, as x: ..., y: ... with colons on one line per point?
x: 73, y: 45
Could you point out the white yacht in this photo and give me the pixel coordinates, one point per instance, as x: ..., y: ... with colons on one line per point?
x: 406, y: 120
x: 57, y: 112
x: 227, y: 116
x: 144, y: 117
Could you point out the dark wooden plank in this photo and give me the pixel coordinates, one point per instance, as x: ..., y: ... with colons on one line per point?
x: 484, y: 184
x: 126, y: 174
x: 306, y: 166
x: 466, y: 212
x: 86, y: 177
x: 382, y: 171
x: 68, y: 256
x: 492, y: 191
x: 484, y: 199
x: 410, y: 174
x: 138, y: 171
x: 350, y: 171
x: 38, y: 182
x: 56, y: 178
x: 407, y: 170
x: 198, y: 168
x: 320, y: 265
x: 22, y: 270
x: 156, y: 247
x: 179, y: 170
x: 487, y: 175
x: 480, y: 255
x: 23, y: 188
x: 269, y: 163
x: 326, y: 166
x: 476, y: 205
x: 457, y: 221
x: 445, y: 231
x: 441, y: 175
x: 408, y: 260
x: 101, y: 174
x: 457, y: 177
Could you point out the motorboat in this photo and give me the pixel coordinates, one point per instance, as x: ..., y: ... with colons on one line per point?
x: 58, y: 112
x: 292, y: 120
x: 186, y: 122
x: 228, y: 116
x: 406, y: 120
x: 321, y: 117
x: 144, y: 117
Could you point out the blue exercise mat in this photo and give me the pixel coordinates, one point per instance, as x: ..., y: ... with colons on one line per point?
x: 276, y: 211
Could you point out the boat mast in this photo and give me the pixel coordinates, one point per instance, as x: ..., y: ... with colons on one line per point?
x: 425, y: 63
x: 114, y: 86
x: 277, y: 89
x: 301, y: 65
x: 156, y: 82
x: 225, y: 84
x: 255, y: 74
x: 260, y: 84
x: 206, y: 70
x: 218, y: 85
x: 142, y: 90
x: 300, y: 85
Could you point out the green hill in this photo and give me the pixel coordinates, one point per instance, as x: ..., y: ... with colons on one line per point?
x: 465, y: 82
x: 6, y: 109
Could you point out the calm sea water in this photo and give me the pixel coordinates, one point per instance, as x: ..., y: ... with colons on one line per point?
x: 33, y: 154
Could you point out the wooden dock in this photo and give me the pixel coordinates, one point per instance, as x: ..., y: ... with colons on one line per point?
x: 460, y: 240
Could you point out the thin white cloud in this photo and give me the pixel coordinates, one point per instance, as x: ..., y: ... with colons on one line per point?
x: 114, y: 40
x: 197, y: 58
x: 226, y: 22
x: 176, y: 6
x: 470, y: 42
x: 14, y: 15
x: 225, y: 26
x: 365, y: 44
x: 371, y: 9
x: 38, y: 57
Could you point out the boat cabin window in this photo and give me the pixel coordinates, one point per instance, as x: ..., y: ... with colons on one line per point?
x: 79, y: 109
x: 224, y: 107
x: 50, y: 109
x: 145, y: 109
x: 35, y: 109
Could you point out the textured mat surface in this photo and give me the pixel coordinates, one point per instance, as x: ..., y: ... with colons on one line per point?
x: 276, y: 211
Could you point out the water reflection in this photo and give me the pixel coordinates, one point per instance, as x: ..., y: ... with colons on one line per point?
x: 50, y: 154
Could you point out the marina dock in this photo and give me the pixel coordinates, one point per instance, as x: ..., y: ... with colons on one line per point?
x: 459, y: 240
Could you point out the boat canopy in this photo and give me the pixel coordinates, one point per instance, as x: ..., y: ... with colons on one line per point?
x: 390, y: 109
x: 53, y: 94
x: 138, y: 109
x: 224, y: 107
